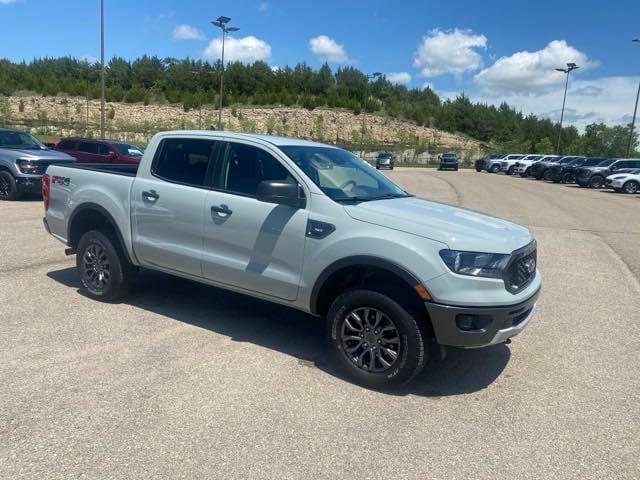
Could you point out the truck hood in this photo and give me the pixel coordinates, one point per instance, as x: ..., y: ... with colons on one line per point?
x: 35, y: 155
x: 458, y: 228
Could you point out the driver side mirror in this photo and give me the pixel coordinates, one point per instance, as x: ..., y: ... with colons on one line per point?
x: 112, y: 155
x: 281, y: 192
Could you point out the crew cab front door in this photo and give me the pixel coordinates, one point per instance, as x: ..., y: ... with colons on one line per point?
x: 167, y: 204
x: 250, y: 244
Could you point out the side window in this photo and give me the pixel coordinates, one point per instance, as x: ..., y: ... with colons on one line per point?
x: 184, y: 160
x: 621, y: 164
x: 103, y: 149
x: 246, y: 166
x: 88, y: 147
x: 66, y: 145
x: 635, y: 164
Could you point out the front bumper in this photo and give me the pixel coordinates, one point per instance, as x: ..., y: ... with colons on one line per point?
x: 498, y: 324
x: 30, y: 184
x: 615, y: 184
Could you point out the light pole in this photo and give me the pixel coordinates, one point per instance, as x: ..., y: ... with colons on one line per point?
x: 221, y: 23
x: 364, y: 106
x: 102, y: 69
x: 635, y: 110
x: 566, y: 71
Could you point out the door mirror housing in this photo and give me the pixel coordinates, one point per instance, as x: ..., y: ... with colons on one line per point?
x: 281, y: 192
x: 112, y: 155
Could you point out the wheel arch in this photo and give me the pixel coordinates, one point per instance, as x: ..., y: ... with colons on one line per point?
x: 91, y: 216
x: 365, y: 271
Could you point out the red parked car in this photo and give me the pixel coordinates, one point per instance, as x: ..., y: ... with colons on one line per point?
x: 91, y: 150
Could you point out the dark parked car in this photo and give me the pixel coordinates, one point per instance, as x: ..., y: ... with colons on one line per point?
x: 567, y: 173
x: 538, y: 169
x: 480, y: 163
x: 448, y: 161
x: 385, y: 160
x: 595, y: 177
x: 91, y: 150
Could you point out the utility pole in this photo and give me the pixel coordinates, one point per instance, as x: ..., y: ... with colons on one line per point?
x: 364, y: 108
x: 566, y: 71
x: 221, y: 23
x: 635, y: 111
x: 102, y: 69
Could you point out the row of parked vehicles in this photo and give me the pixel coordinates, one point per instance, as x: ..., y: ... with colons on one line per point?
x: 24, y: 159
x: 620, y: 174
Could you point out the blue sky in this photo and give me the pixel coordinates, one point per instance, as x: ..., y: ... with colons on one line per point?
x: 492, y: 50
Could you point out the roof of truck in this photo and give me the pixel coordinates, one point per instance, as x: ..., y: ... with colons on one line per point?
x: 273, y: 139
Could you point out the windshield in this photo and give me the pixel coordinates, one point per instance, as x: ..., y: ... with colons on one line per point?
x: 566, y: 160
x: 591, y: 162
x: 576, y: 161
x: 21, y: 140
x: 605, y: 163
x: 449, y: 156
x: 515, y: 157
x: 532, y: 157
x: 126, y: 149
x: 384, y: 155
x: 496, y: 155
x: 341, y: 175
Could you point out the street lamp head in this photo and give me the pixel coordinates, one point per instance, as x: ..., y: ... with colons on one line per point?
x: 636, y: 40
x: 222, y: 19
x: 231, y: 29
x: 572, y: 66
x: 561, y: 70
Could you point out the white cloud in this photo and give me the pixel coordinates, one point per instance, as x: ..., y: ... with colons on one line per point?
x: 531, y: 72
x: 7, y: 2
x: 449, y: 51
x: 86, y: 57
x: 608, y: 100
x: 263, y: 7
x: 245, y: 49
x: 399, y: 78
x: 326, y: 48
x: 187, y: 32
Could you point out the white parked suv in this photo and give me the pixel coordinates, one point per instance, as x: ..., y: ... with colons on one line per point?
x: 509, y: 162
x: 523, y: 167
x: 494, y: 165
x: 625, y: 182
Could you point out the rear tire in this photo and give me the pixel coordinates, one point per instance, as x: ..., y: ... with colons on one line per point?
x: 567, y: 178
x: 547, y: 176
x: 8, y: 187
x: 597, y: 181
x: 631, y: 187
x: 104, y: 271
x: 494, y: 169
x: 375, y: 357
x: 526, y: 173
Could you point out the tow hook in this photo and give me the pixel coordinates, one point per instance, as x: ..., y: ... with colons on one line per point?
x: 69, y: 251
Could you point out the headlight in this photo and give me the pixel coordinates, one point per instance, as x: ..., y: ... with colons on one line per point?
x: 27, y: 166
x: 475, y: 264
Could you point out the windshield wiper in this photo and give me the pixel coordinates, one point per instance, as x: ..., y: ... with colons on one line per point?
x: 370, y: 199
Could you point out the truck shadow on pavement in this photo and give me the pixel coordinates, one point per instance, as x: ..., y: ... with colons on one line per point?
x: 300, y: 335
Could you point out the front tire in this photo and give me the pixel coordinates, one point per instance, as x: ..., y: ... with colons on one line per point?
x: 8, y: 187
x: 511, y: 170
x: 495, y: 169
x: 375, y: 340
x: 631, y: 187
x: 567, y: 178
x: 104, y: 271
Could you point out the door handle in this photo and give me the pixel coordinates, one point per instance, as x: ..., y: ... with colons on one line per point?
x: 221, y: 211
x: 150, y: 196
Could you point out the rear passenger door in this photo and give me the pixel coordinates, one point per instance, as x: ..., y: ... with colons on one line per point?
x: 168, y: 205
x: 88, y: 152
x: 250, y: 244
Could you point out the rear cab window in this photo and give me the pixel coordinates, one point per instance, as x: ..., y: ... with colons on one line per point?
x: 185, y: 161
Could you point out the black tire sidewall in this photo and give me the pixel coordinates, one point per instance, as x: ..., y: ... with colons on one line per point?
x: 412, y: 343
x: 600, y: 181
x: 120, y: 275
x: 13, y: 194
x: 631, y: 182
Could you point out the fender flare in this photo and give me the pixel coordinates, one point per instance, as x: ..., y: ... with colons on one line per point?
x: 103, y: 211
x: 358, y: 260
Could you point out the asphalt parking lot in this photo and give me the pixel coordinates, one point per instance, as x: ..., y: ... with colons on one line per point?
x: 187, y: 381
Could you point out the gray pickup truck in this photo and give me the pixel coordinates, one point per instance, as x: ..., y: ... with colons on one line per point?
x: 23, y: 161
x: 306, y: 225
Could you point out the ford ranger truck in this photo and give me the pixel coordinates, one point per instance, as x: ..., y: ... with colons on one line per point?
x: 23, y: 161
x: 305, y: 225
